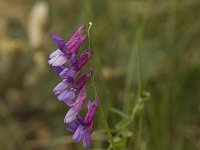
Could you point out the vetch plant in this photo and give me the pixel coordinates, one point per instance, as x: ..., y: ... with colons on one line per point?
x: 72, y: 91
x: 67, y: 66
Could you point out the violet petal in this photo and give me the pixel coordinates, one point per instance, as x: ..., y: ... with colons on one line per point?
x: 76, y: 34
x: 55, y: 53
x: 91, y: 111
x: 68, y: 99
x: 57, y: 69
x: 72, y: 126
x: 83, y: 80
x: 73, y: 59
x: 57, y: 60
x: 78, y: 135
x: 75, y: 46
x: 86, y: 140
x: 60, y: 87
x: 58, y: 40
x: 89, y: 103
x: 83, y: 59
x: 65, y: 95
x: 67, y: 72
x: 71, y: 115
x: 80, y: 119
x: 80, y: 99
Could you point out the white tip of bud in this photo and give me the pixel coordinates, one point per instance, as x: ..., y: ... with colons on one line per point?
x: 90, y: 23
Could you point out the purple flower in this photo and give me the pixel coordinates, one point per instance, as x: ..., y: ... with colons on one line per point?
x: 66, y: 50
x: 75, y: 45
x: 75, y: 107
x: 83, y: 59
x: 84, y: 133
x: 66, y: 89
x: 64, y: 92
x: 59, y: 41
x: 83, y: 80
x: 76, y: 41
x: 67, y: 96
x: 76, y: 65
x: 76, y: 34
x: 84, y: 127
x: 92, y: 108
x: 68, y: 73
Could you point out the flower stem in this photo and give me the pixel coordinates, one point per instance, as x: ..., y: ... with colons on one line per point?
x: 88, y: 32
x: 139, y: 95
x: 96, y: 96
x: 103, y: 117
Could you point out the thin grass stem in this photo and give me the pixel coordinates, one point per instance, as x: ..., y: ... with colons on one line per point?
x: 100, y: 108
x: 103, y: 117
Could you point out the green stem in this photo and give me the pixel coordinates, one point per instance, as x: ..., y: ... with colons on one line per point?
x: 96, y: 96
x: 139, y: 100
x: 139, y: 131
x: 139, y: 64
x: 103, y: 117
x: 107, y: 127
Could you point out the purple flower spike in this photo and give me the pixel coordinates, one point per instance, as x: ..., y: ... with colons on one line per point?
x: 83, y: 59
x: 83, y: 80
x: 67, y: 65
x: 76, y: 107
x: 58, y: 40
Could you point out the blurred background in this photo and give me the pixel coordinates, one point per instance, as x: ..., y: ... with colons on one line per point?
x: 32, y: 118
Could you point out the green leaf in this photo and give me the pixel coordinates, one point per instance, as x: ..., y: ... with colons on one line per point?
x: 123, y: 124
x: 146, y: 95
x: 118, y: 112
x: 126, y: 133
x: 119, y: 142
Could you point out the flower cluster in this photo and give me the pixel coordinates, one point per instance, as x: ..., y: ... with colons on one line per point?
x: 67, y: 66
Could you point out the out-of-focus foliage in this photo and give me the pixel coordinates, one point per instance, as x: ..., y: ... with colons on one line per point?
x: 31, y: 117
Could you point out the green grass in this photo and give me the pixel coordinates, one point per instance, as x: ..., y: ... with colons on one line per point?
x: 146, y: 66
